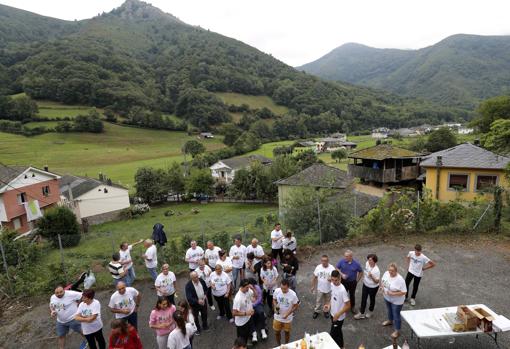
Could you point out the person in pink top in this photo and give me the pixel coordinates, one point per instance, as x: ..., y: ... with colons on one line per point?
x: 161, y: 319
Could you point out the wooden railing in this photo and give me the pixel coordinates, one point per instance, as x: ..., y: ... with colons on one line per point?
x: 389, y: 175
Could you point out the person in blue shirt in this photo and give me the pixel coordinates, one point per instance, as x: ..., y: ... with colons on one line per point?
x: 351, y: 272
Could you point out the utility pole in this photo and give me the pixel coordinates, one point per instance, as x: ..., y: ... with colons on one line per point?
x: 319, y: 217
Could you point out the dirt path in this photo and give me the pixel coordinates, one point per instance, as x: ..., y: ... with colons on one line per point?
x: 468, y: 272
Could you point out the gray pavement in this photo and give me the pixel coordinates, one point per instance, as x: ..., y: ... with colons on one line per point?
x: 478, y: 273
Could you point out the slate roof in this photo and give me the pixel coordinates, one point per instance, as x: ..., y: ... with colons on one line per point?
x: 361, y: 203
x: 467, y: 155
x: 383, y: 151
x: 81, y: 185
x: 319, y: 175
x: 306, y: 143
x: 8, y: 173
x: 240, y: 162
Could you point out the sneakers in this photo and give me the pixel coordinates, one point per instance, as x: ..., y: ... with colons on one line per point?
x: 353, y: 311
x: 264, y: 334
x: 231, y: 321
x: 359, y: 316
x: 369, y: 315
x: 315, y: 315
x: 395, y: 335
x: 218, y: 317
x: 213, y: 308
x: 387, y: 323
x: 254, y: 337
x: 413, y: 302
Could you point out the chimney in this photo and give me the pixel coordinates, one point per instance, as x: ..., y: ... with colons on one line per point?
x: 439, y: 161
x: 45, y: 168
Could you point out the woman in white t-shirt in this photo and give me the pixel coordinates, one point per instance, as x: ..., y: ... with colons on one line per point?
x: 269, y: 276
x: 371, y: 278
x: 394, y: 290
x: 179, y: 338
x: 89, y: 315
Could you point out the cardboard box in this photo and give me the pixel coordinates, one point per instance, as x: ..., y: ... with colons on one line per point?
x: 469, y: 319
x: 485, y: 319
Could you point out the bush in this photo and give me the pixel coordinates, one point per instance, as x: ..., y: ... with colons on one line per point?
x: 60, y: 221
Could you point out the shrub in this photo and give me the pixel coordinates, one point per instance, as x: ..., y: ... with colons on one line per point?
x: 60, y: 221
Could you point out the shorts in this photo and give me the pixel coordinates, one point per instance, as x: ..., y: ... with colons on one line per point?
x: 63, y: 328
x: 279, y: 326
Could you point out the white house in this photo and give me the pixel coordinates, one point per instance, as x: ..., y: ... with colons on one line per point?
x: 463, y: 130
x: 224, y: 170
x: 95, y: 201
x: 380, y: 133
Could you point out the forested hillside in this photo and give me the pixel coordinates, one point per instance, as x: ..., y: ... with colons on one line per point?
x: 138, y: 56
x: 460, y: 71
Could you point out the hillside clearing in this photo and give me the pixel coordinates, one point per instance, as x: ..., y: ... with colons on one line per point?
x: 255, y: 102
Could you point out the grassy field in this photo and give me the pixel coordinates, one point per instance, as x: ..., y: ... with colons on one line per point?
x: 253, y: 101
x: 118, y: 152
x: 47, y: 124
x: 97, y: 246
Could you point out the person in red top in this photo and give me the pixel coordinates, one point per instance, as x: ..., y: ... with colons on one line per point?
x: 124, y: 336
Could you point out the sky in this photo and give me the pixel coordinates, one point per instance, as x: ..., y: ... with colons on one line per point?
x: 299, y: 31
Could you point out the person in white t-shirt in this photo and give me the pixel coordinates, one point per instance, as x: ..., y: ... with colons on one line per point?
x: 204, y: 272
x: 211, y: 254
x: 180, y: 337
x: 124, y: 304
x: 166, y: 284
x: 321, y: 283
x: 338, y: 306
x: 220, y: 285
x: 193, y: 255
x: 371, y: 278
x: 394, y: 291
x: 226, y: 263
x: 63, y: 307
x: 416, y: 262
x: 242, y: 309
x: 289, y: 242
x: 127, y: 262
x: 277, y: 241
x: 89, y: 314
x: 285, y: 303
x: 237, y: 255
x: 269, y: 277
x: 151, y: 258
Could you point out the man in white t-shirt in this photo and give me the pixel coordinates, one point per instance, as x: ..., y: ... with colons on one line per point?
x: 277, y: 241
x: 127, y: 262
x: 285, y: 303
x: 237, y: 255
x: 166, y: 284
x: 321, y: 283
x: 193, y: 255
x: 151, y: 258
x: 204, y: 272
x: 417, y: 262
x: 124, y: 303
x: 338, y: 307
x: 63, y: 307
x: 242, y: 310
x: 258, y: 253
x: 211, y: 254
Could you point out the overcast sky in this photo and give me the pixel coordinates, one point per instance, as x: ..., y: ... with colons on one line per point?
x: 299, y: 31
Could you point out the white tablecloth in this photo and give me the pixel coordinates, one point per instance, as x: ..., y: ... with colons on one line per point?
x: 429, y: 323
x: 326, y: 342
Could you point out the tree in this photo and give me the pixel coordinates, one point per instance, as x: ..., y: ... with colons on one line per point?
x: 498, y: 137
x: 441, y: 139
x: 150, y: 184
x: 60, y: 221
x: 174, y: 179
x: 306, y: 158
x: 230, y: 133
x: 200, y: 182
x: 490, y: 110
x: 88, y: 123
x: 339, y: 154
x: 193, y: 147
x: 261, y: 129
x: 247, y: 142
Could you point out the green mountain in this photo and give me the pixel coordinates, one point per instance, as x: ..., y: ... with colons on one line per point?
x: 460, y: 70
x: 138, y: 56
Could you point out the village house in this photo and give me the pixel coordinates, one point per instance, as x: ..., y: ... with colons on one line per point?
x: 25, y: 192
x: 384, y: 164
x: 224, y: 170
x: 93, y: 201
x: 330, y: 144
x: 206, y: 135
x: 380, y: 133
x: 465, y: 171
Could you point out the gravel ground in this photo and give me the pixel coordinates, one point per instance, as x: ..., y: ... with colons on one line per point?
x: 467, y: 273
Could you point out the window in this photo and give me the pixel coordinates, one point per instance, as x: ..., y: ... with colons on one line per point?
x: 22, y: 198
x: 458, y: 182
x: 46, y: 190
x: 486, y: 182
x: 17, y: 223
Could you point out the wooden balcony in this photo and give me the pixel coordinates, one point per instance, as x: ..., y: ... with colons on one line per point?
x: 389, y: 175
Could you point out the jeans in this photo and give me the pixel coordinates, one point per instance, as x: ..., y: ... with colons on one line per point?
x: 236, y: 276
x: 336, y: 332
x: 132, y: 319
x: 202, y: 309
x: 96, y: 336
x: 394, y: 314
x: 224, y: 306
x: 130, y: 276
x: 153, y: 272
x: 365, y: 293
x: 259, y: 317
x: 416, y: 284
x: 350, y: 286
x: 320, y: 300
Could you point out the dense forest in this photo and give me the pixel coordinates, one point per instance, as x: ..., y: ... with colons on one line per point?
x: 138, y: 56
x: 460, y: 70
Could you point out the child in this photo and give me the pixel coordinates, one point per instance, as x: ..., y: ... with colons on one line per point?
x: 291, y: 278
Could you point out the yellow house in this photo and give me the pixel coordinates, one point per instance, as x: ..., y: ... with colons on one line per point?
x: 465, y: 171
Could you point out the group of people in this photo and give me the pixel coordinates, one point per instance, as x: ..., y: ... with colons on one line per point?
x: 258, y: 286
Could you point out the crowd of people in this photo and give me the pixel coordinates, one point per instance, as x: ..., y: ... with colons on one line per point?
x: 247, y: 286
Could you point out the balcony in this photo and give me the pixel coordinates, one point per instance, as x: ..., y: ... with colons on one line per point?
x: 389, y: 175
